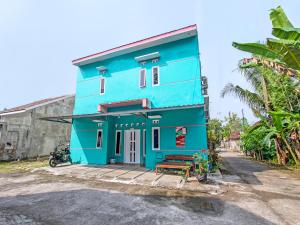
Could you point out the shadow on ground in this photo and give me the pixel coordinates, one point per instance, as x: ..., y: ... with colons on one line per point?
x: 93, y: 206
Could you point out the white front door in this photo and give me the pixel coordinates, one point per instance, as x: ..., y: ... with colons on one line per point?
x: 132, y: 146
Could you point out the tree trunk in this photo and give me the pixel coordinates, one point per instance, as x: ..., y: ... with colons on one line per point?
x: 290, y: 150
x: 297, y: 150
x: 297, y: 143
x: 281, y: 155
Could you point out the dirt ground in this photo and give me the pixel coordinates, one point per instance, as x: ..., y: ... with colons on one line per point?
x: 256, y: 194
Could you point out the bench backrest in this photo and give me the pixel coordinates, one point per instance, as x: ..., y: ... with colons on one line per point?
x: 180, y: 157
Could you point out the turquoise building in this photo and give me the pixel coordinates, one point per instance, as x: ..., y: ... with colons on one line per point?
x: 141, y: 101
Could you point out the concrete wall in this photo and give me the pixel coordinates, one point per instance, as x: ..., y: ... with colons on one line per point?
x: 35, y: 137
x: 15, y: 131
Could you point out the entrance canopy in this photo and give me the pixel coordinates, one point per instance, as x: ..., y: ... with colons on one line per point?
x: 144, y: 103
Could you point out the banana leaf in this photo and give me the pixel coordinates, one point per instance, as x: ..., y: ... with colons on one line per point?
x: 279, y: 18
x: 292, y: 58
x: 282, y: 41
x: 257, y: 49
x: 289, y: 50
x: 287, y: 33
x: 269, y: 137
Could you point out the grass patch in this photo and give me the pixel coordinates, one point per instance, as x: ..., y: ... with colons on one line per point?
x: 21, y: 166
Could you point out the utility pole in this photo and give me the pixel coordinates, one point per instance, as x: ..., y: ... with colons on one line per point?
x: 243, y: 128
x: 243, y: 119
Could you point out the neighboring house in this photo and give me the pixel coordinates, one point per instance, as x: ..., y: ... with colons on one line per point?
x: 141, y: 101
x: 234, y: 142
x: 23, y: 135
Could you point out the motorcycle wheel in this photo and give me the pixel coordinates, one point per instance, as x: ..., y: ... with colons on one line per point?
x: 52, y: 162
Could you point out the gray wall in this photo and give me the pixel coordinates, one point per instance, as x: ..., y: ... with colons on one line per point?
x: 32, y: 137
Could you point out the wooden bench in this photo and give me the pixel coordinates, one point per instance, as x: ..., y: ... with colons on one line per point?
x: 180, y: 157
x: 185, y: 167
x: 178, y: 162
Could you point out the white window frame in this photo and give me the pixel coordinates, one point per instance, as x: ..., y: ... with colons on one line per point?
x: 101, y: 146
x: 155, y: 128
x: 144, y: 142
x: 145, y: 77
x: 158, y: 74
x: 118, y: 131
x: 102, y: 78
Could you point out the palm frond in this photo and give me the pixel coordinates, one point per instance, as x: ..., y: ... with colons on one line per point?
x: 253, y: 100
x: 253, y: 76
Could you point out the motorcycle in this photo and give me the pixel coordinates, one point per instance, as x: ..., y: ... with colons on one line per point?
x: 60, y: 155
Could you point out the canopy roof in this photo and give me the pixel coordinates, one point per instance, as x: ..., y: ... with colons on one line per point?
x: 68, y: 118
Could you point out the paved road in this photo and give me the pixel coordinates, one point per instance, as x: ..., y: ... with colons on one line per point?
x: 256, y: 195
x: 278, y: 190
x: 37, y: 199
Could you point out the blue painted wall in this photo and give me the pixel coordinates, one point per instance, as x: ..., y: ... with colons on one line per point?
x: 196, y: 140
x: 180, y: 85
x: 179, y: 78
x: 83, y: 142
x: 84, y: 133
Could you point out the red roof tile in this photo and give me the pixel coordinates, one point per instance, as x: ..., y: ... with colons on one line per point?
x: 236, y: 135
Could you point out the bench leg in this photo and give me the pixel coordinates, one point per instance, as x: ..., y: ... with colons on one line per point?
x: 156, y: 170
x: 187, y: 173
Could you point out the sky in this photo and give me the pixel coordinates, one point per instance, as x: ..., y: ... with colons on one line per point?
x: 38, y: 40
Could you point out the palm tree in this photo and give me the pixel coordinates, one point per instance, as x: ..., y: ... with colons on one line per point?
x: 258, y: 99
x: 263, y: 101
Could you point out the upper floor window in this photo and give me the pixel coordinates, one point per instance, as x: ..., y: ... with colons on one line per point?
x: 142, y: 78
x: 102, y: 86
x: 155, y: 76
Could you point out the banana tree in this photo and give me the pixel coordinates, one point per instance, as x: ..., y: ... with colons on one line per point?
x: 284, y: 49
x: 282, y: 122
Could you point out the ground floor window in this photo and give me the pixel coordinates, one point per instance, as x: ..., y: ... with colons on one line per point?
x: 99, y: 139
x: 118, y: 142
x: 155, y: 138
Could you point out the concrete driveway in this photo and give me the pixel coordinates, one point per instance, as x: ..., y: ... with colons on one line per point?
x: 130, y: 174
x: 255, y: 194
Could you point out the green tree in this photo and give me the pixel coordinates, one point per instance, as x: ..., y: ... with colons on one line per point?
x: 274, y: 99
x: 253, y: 142
x: 214, y: 133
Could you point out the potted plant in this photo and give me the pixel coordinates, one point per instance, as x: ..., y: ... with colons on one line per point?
x: 201, y: 167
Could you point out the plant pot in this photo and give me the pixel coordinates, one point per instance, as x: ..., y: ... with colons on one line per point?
x: 201, y: 177
x: 209, y: 166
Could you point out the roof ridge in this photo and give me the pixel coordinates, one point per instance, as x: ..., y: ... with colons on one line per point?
x: 118, y: 48
x: 33, y: 104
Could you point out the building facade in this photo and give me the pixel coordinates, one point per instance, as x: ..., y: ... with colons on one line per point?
x: 139, y: 102
x: 24, y: 135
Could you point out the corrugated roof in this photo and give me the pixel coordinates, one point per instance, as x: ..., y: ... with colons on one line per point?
x: 33, y: 104
x: 148, y: 40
